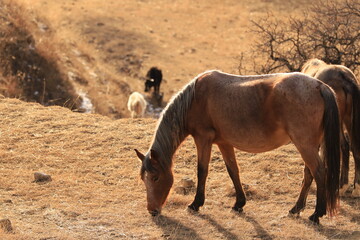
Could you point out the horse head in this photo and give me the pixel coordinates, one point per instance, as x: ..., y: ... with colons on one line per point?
x: 158, y: 180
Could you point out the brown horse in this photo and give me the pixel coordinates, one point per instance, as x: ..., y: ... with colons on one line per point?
x: 344, y: 83
x: 253, y: 114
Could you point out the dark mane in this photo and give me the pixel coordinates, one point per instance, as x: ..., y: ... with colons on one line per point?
x: 170, y: 131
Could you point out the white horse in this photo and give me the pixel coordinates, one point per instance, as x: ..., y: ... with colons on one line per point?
x: 136, y: 104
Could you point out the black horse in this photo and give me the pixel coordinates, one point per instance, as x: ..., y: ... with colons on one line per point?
x: 153, y: 79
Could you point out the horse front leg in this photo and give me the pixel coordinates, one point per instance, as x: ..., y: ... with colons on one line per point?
x: 230, y: 161
x: 203, y: 146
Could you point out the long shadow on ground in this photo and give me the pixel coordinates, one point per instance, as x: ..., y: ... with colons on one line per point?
x: 226, y: 233
x: 260, y: 231
x: 354, y: 203
x: 173, y: 229
x: 330, y: 232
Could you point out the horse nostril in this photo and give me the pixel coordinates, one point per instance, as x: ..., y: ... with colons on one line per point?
x: 154, y: 212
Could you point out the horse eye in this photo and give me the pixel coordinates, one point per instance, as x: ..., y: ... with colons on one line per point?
x: 155, y: 179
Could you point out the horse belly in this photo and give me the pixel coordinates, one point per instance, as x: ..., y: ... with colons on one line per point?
x: 255, y: 140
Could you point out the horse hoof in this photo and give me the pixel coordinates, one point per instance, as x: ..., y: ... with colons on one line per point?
x: 314, y: 219
x: 192, y: 207
x: 293, y: 215
x: 356, y: 192
x: 343, y: 189
x: 295, y: 211
x: 238, y: 209
x: 154, y: 213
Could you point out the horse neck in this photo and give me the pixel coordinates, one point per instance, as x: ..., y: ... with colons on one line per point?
x: 171, y: 130
x: 168, y: 137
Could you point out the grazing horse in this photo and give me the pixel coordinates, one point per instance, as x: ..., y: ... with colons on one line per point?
x: 136, y: 104
x: 253, y: 114
x: 153, y: 79
x: 344, y: 83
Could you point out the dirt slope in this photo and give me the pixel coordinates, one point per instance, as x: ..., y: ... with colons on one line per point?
x: 106, y: 48
x: 96, y: 192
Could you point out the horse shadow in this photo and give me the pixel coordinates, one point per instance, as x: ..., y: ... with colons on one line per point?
x: 173, y: 229
x: 354, y: 216
x: 226, y: 233
x: 330, y: 232
x: 261, y: 232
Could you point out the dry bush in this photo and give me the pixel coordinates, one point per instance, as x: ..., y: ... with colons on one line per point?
x: 329, y: 31
x: 29, y: 71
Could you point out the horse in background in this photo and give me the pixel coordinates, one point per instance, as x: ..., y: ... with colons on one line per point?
x: 153, y: 79
x: 253, y: 114
x: 343, y: 81
x: 136, y: 105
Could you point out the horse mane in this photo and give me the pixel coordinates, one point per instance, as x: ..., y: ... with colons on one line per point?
x: 170, y: 131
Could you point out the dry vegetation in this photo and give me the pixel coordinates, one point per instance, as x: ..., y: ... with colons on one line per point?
x: 29, y: 72
x: 95, y: 192
x: 103, y: 48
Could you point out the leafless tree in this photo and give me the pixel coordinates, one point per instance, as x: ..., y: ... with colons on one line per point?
x: 329, y: 31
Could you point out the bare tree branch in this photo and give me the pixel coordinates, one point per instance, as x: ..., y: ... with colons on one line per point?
x: 329, y: 31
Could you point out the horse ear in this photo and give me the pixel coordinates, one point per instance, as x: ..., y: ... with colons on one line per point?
x: 154, y: 156
x: 140, y: 155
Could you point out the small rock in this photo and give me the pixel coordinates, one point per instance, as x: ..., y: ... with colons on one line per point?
x: 5, y: 225
x: 180, y: 190
x: 187, y: 183
x: 42, y: 177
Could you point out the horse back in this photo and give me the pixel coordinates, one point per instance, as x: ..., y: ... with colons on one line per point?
x: 261, y: 109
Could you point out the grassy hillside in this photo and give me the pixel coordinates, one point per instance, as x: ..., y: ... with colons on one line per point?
x: 102, y: 50
x: 96, y: 193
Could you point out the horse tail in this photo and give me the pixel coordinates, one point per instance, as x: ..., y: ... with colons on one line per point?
x: 331, y: 149
x: 355, y: 121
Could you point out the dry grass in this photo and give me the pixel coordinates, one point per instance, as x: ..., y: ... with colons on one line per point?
x: 95, y: 192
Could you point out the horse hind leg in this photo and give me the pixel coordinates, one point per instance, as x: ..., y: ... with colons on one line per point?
x: 356, y: 191
x: 320, y: 208
x: 301, y: 202
x: 344, y: 175
x: 317, y: 169
x: 230, y: 161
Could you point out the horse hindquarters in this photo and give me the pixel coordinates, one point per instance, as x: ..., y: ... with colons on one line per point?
x: 326, y: 178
